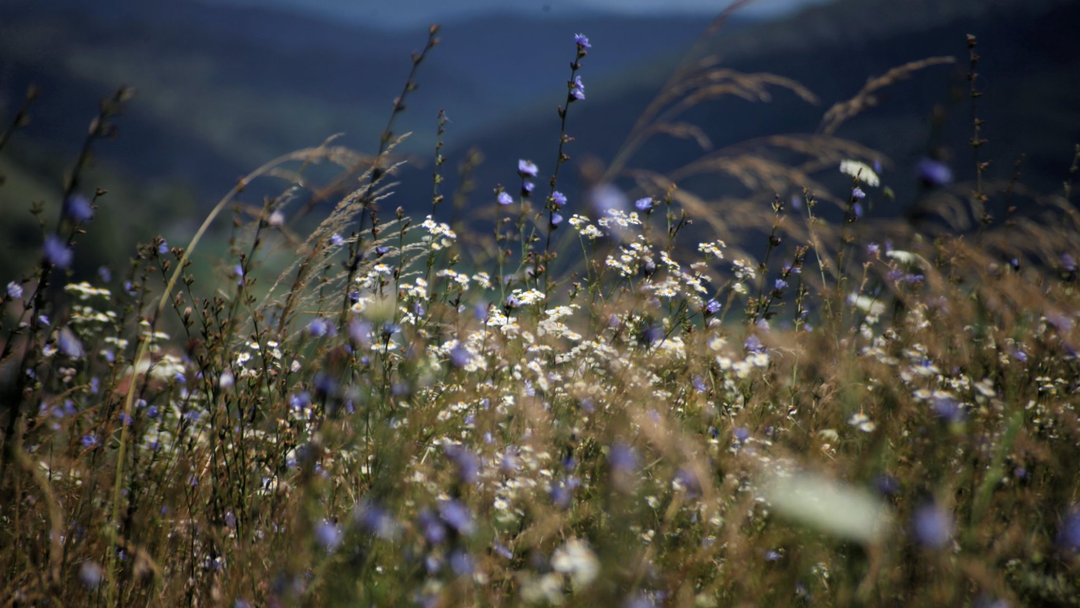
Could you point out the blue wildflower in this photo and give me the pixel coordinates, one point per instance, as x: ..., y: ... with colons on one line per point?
x: 69, y: 344
x: 468, y: 464
x: 457, y: 516
x: 376, y: 520
x: 328, y: 534
x: 300, y: 400
x: 460, y: 356
x: 858, y: 193
x: 652, y: 334
x: 562, y: 492
x: 712, y: 307
x: 780, y: 284
x: 934, y: 173
x: 582, y: 41
x: 622, y: 458
x: 687, y: 481
x: 754, y: 345
x: 639, y: 601
x: 699, y: 384
x: 644, y: 204
x: 91, y: 574
x: 163, y: 247
x: 320, y: 327
x: 461, y: 562
x: 89, y: 440
x: 77, y: 208
x: 887, y: 485
x: 556, y: 219
x: 504, y: 199
x: 526, y: 168
x: 577, y: 89
x: 558, y: 198
x: 14, y: 290
x: 1069, y: 535
x: 932, y: 526
x: 433, y: 529
x: 57, y: 252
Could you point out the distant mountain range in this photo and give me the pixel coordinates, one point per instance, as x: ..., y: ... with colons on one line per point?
x: 223, y: 88
x: 411, y: 13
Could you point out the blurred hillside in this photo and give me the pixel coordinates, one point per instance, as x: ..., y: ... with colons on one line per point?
x: 224, y: 88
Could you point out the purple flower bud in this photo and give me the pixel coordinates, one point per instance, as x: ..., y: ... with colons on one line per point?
x: 505, y: 199
x: 858, y: 193
x: 644, y: 204
x: 556, y: 219
x: 582, y: 41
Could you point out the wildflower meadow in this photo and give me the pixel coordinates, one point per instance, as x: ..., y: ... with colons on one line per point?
x: 622, y: 395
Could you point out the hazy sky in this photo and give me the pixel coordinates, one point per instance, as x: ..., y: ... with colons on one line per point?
x: 411, y: 12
